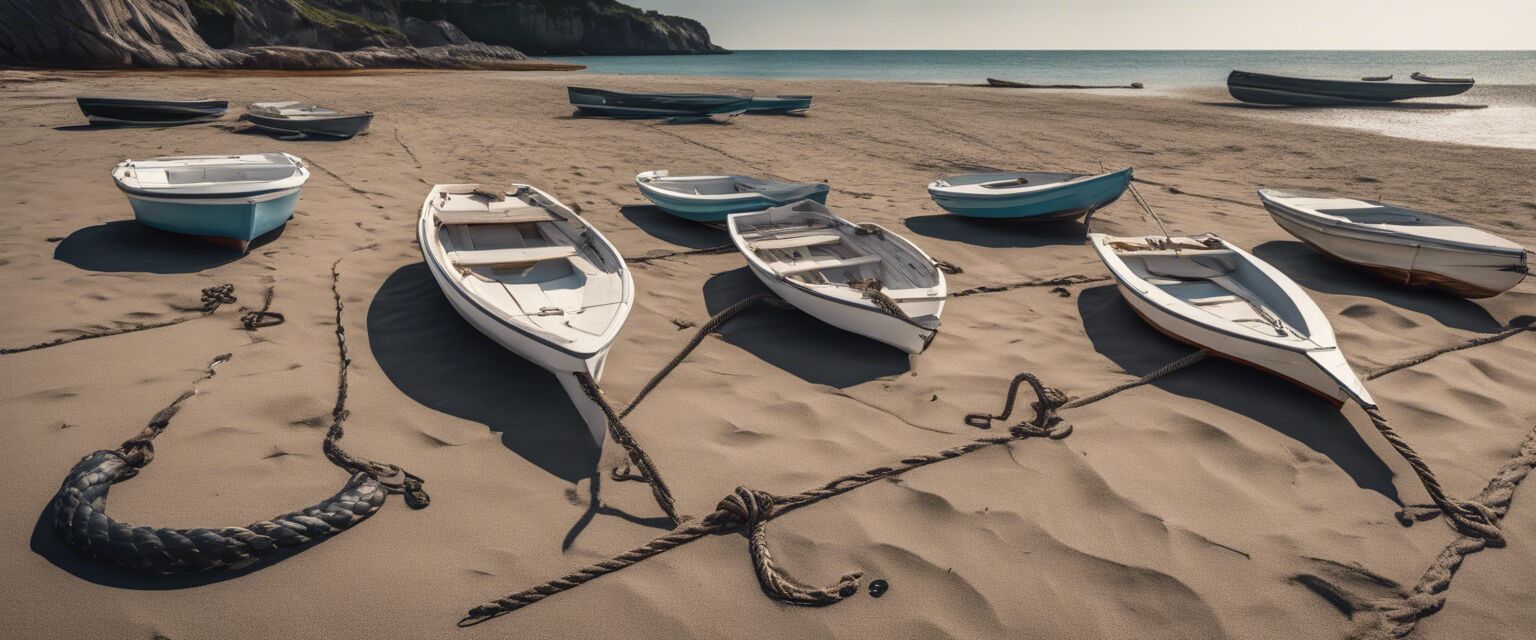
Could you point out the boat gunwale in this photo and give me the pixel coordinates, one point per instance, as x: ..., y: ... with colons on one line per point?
x: 1375, y: 233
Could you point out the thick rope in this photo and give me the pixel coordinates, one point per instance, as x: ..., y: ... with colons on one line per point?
x: 871, y: 288
x: 1052, y: 282
x: 1396, y: 617
x: 394, y: 478
x: 1514, y: 329
x: 79, y: 512
x: 1470, y: 518
x: 212, y: 298
x: 265, y: 317
x: 747, y: 508
x: 637, y: 456
x: 707, y: 328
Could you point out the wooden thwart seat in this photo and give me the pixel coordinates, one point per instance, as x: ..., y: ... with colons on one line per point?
x: 494, y: 257
x: 820, y: 265
x: 811, y: 240
x: 503, y: 216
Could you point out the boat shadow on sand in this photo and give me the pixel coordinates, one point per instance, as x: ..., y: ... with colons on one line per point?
x: 127, y: 246
x: 787, y: 338
x: 1111, y: 326
x: 437, y: 359
x: 999, y: 234
x: 664, y: 226
x: 51, y: 546
x: 1386, y: 106
x: 1317, y: 272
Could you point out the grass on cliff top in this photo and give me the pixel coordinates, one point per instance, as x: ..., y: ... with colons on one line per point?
x: 323, y: 16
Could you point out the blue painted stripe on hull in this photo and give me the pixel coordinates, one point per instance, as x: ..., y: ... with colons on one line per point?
x: 718, y: 211
x: 1068, y: 202
x: 243, y: 221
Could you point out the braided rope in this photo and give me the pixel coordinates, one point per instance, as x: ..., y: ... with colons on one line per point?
x: 753, y: 509
x: 1396, y: 617
x: 212, y: 298
x: 1514, y: 329
x: 79, y: 507
x: 1470, y: 518
x: 637, y: 456
x: 80, y: 517
x: 1051, y: 282
x: 707, y: 251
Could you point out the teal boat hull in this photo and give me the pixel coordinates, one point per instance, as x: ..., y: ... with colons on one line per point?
x: 1064, y: 202
x: 718, y: 211
x: 780, y: 105
x: 242, y: 220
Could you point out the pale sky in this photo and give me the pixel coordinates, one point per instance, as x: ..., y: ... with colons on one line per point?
x: 1112, y: 24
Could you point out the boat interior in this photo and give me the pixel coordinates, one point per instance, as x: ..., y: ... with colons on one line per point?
x: 1215, y: 280
x: 251, y: 169
x: 529, y: 261
x: 1009, y: 180
x: 811, y: 247
x: 728, y: 185
x: 292, y: 110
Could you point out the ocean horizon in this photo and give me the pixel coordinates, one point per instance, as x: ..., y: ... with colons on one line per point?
x: 1154, y: 68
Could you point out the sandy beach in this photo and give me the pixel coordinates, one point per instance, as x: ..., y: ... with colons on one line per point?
x: 1186, y: 508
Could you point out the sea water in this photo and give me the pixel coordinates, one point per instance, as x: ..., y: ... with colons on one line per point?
x: 1500, y: 111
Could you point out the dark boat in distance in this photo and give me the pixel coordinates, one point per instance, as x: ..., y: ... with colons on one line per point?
x: 1261, y: 88
x: 615, y: 104
x: 297, y: 120
x: 133, y: 111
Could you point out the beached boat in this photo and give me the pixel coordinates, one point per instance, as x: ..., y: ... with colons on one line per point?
x: 1037, y: 196
x: 712, y: 198
x: 1208, y: 293
x: 1261, y: 88
x: 780, y: 105
x: 1010, y: 84
x: 237, y: 197
x: 861, y: 278
x: 1409, y: 247
x: 303, y: 120
x: 132, y: 111
x: 615, y: 104
x: 532, y: 275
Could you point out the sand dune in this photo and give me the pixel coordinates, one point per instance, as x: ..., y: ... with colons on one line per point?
x: 1181, y: 509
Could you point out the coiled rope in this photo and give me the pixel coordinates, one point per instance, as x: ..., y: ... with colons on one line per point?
x: 264, y: 317
x: 79, y: 507
x: 212, y: 298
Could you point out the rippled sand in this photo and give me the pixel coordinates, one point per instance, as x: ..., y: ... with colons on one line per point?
x: 1183, y: 509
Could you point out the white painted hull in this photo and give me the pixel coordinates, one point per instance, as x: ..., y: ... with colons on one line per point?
x: 562, y: 365
x: 1291, y: 365
x: 865, y: 321
x: 1481, y: 274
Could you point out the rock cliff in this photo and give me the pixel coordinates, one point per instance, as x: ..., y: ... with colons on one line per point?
x: 329, y: 34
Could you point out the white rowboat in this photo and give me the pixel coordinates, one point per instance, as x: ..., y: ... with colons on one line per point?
x: 1410, y: 247
x: 860, y: 278
x: 1208, y: 293
x: 533, y: 276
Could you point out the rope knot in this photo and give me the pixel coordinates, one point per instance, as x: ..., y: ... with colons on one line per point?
x: 746, y: 506
x: 1478, y: 520
x: 1045, y: 422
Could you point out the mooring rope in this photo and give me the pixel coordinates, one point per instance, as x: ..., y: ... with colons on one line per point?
x: 1514, y: 329
x: 212, y: 298
x: 80, y: 517
x: 1396, y: 616
x: 1469, y: 517
x: 706, y: 251
x: 1052, y: 282
x: 751, y: 510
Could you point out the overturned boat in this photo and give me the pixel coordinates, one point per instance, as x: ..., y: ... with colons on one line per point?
x: 532, y: 275
x: 1410, y: 247
x: 137, y: 112
x: 235, y: 197
x: 1037, y: 196
x: 1208, y: 293
x: 780, y: 105
x: 712, y: 198
x: 678, y: 106
x: 1262, y: 88
x: 860, y: 278
x: 299, y: 120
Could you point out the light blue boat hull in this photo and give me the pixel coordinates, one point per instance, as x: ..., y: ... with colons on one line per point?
x: 718, y: 211
x: 1065, y: 202
x: 244, y: 221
